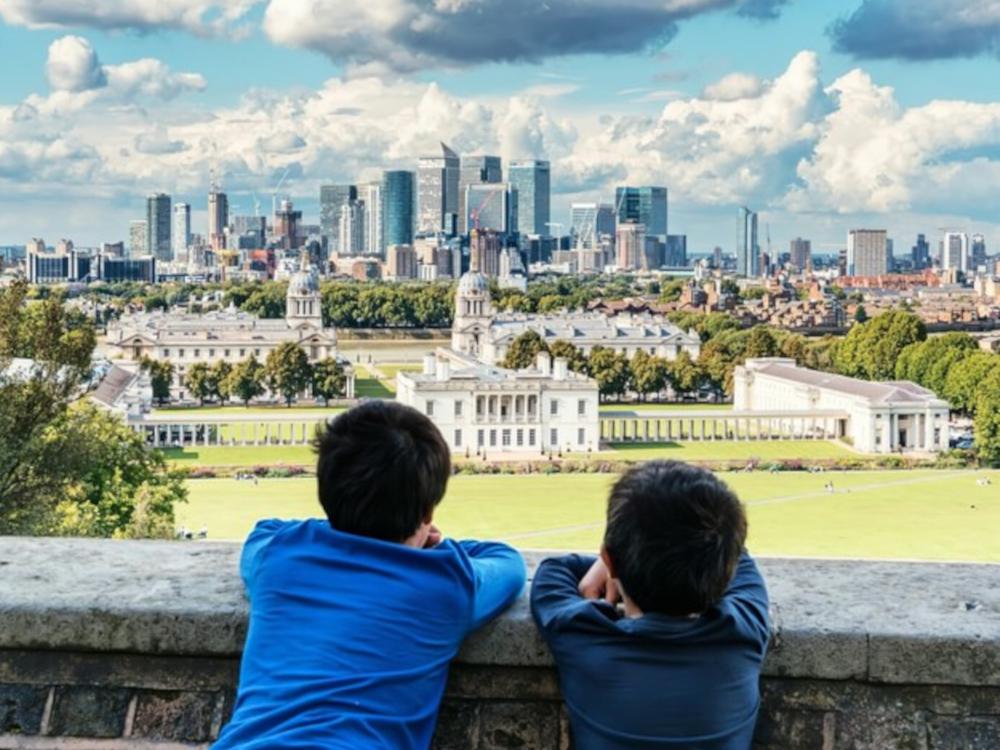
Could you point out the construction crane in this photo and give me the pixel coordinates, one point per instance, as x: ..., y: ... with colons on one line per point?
x: 274, y: 192
x: 474, y: 213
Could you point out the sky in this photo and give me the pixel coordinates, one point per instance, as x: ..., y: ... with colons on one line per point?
x: 823, y: 115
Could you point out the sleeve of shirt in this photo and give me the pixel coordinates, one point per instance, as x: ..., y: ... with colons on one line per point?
x: 748, y: 595
x: 555, y: 591
x: 499, y: 574
x: 253, y: 549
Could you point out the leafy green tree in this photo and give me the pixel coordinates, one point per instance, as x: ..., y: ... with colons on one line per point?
x: 870, y: 350
x: 761, y: 342
x: 565, y: 350
x: 199, y: 381
x: 610, y: 369
x: 860, y: 314
x: 686, y: 375
x: 219, y: 378
x: 329, y: 381
x: 161, y: 376
x: 246, y: 381
x: 287, y: 371
x: 917, y: 360
x: 524, y: 350
x: 987, y: 419
x: 648, y: 374
x: 964, y: 380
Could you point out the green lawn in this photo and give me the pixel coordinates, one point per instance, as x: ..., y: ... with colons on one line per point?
x: 889, y: 514
x: 241, y: 411
x: 719, y: 450
x: 373, y: 388
x: 666, y: 407
x: 391, y: 370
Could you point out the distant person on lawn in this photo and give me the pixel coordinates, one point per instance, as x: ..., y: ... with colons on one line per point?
x: 355, y: 618
x: 677, y: 664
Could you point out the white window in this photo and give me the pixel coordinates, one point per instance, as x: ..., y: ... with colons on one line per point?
x: 458, y: 438
x: 458, y: 408
x: 429, y: 408
x: 180, y: 354
x: 581, y: 407
x: 226, y: 354
x: 197, y: 353
x: 243, y: 353
x: 520, y: 438
x: 554, y: 407
x: 211, y: 352
x: 506, y: 438
x: 531, y: 438
x: 553, y: 438
x: 581, y: 436
x: 493, y: 438
x: 481, y: 438
x: 165, y: 353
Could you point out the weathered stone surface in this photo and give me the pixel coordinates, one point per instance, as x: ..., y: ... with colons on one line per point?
x: 89, y: 712
x: 506, y: 725
x: 457, y: 726
x: 502, y: 683
x: 21, y: 709
x: 167, y: 715
x: 961, y: 734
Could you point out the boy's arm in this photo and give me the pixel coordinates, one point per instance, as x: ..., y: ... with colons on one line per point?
x: 253, y: 549
x: 748, y: 593
x: 499, y: 575
x: 555, y: 588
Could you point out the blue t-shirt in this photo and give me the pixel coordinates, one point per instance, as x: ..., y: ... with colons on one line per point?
x: 350, y: 637
x: 655, y: 681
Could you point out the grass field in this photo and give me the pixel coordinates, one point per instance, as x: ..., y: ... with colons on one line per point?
x: 666, y: 407
x: 692, y: 451
x: 909, y: 515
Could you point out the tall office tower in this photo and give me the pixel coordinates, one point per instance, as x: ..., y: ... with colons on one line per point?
x: 36, y: 246
x: 676, y: 251
x: 747, y: 249
x: 352, y: 229
x: 801, y: 252
x: 137, y: 238
x: 920, y: 253
x: 158, y: 226
x: 113, y: 249
x: 398, y: 198
x: 332, y: 198
x: 252, y: 229
x: 630, y: 245
x: 218, y: 219
x: 286, y: 226
x: 531, y: 179
x: 401, y: 262
x: 717, y: 257
x: 977, y: 255
x: 182, y: 229
x: 437, y: 192
x: 371, y: 196
x: 589, y: 222
x: 492, y: 206
x: 955, y: 251
x: 474, y: 170
x: 867, y: 252
x: 485, y: 247
x: 646, y: 206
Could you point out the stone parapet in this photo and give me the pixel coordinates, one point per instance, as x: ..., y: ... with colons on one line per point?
x: 136, y: 644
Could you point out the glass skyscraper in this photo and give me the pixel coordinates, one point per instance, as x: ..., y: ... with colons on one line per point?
x: 747, y: 248
x: 475, y: 170
x: 437, y: 192
x: 532, y: 181
x: 590, y: 222
x: 398, y: 199
x: 332, y: 199
x: 492, y: 207
x: 644, y: 205
x: 158, y: 227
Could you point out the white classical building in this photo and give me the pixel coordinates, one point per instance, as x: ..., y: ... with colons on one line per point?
x: 481, y: 408
x: 889, y: 417
x: 481, y: 332
x: 185, y: 338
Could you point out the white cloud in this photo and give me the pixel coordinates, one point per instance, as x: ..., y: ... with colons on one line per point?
x: 73, y: 65
x: 734, y: 86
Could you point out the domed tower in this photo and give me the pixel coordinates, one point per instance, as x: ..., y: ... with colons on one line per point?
x: 303, y: 304
x: 473, y: 315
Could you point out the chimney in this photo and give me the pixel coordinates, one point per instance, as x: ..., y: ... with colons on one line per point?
x: 561, y: 368
x: 543, y: 362
x: 429, y: 364
x: 443, y: 370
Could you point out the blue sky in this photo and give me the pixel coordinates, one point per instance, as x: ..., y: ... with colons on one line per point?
x: 830, y: 115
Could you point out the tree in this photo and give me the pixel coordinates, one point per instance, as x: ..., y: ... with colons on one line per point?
x: 870, y: 350
x: 560, y: 349
x: 962, y: 385
x: 761, y: 343
x: 987, y: 420
x: 610, y: 369
x: 287, y: 371
x: 686, y: 375
x: 648, y: 374
x: 199, y: 381
x: 329, y: 381
x: 246, y: 381
x: 860, y: 314
x: 219, y: 378
x: 161, y: 376
x: 524, y: 350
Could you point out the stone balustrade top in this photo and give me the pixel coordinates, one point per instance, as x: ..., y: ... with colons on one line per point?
x: 885, y: 622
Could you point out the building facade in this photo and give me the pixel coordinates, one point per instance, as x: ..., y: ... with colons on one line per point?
x: 891, y: 417
x: 398, y: 201
x: 492, y: 206
x: 531, y: 181
x: 630, y: 246
x: 351, y: 234
x: 474, y: 170
x: 218, y: 219
x: 589, y: 222
x: 955, y: 252
x: 483, y: 409
x: 437, y: 192
x: 182, y: 229
x: 800, y: 251
x: 747, y: 246
x: 646, y: 206
x: 332, y: 199
x: 867, y: 252
x: 158, y: 216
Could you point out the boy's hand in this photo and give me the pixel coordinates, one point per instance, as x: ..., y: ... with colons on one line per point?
x: 598, y: 583
x: 434, y: 537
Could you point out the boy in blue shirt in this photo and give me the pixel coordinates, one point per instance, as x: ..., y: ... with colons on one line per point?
x: 355, y: 618
x: 678, y: 666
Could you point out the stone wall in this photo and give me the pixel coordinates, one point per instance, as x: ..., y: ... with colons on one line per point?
x: 109, y: 645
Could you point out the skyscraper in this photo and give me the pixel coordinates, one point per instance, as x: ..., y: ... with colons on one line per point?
x: 158, y: 226
x: 920, y: 253
x: 218, y: 219
x: 352, y: 228
x: 589, y: 222
x: 977, y: 258
x: 801, y: 252
x: 747, y: 249
x: 867, y: 252
x: 474, y: 170
x: 676, y: 251
x: 371, y: 196
x: 532, y: 181
x: 630, y: 246
x: 137, y: 238
x: 492, y: 206
x: 286, y: 225
x: 646, y: 206
x: 182, y: 229
x: 955, y: 251
x: 437, y: 191
x: 485, y: 246
x: 332, y: 199
x: 397, y: 206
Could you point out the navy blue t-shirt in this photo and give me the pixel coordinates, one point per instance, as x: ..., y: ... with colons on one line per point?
x: 350, y: 638
x: 655, y: 681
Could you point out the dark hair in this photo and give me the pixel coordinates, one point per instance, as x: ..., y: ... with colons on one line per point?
x: 674, y: 536
x: 382, y: 469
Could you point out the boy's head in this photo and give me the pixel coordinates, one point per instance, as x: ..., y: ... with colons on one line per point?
x: 382, y: 469
x: 674, y: 536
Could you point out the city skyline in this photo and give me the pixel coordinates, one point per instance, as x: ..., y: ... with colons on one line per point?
x: 820, y: 129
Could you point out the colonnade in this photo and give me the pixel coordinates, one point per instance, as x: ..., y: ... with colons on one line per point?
x: 227, y: 434
x: 718, y: 426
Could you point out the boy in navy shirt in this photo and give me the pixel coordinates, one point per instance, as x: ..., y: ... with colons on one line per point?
x: 355, y: 618
x: 678, y: 665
